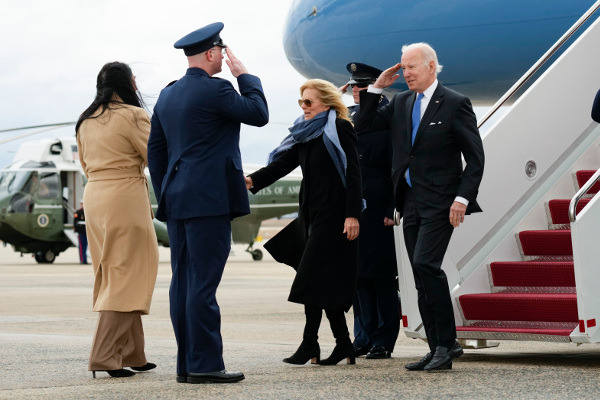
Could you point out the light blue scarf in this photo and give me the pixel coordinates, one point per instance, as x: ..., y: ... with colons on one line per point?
x: 305, y: 130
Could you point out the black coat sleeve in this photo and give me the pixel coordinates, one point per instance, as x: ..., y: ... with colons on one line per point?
x: 596, y: 108
x: 370, y: 118
x: 349, y: 142
x: 286, y: 163
x: 471, y: 146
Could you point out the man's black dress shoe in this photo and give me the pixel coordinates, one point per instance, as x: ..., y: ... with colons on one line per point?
x: 419, y: 365
x: 214, y: 377
x: 146, y: 367
x: 443, y: 357
x: 378, y: 352
x: 360, y: 351
x: 181, y: 377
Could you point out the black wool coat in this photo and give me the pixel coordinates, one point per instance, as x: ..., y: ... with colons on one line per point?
x: 327, y: 272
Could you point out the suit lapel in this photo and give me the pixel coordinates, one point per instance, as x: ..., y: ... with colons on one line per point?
x: 432, y: 107
x: 408, y: 113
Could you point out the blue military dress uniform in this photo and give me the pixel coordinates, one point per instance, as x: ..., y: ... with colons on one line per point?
x: 196, y: 170
x: 376, y: 305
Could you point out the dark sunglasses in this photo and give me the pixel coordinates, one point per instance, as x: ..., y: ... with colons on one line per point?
x: 361, y: 85
x: 307, y: 102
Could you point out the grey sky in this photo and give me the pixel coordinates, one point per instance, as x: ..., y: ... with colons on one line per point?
x: 52, y: 52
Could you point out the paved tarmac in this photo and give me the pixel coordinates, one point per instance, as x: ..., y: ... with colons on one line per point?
x: 46, y: 327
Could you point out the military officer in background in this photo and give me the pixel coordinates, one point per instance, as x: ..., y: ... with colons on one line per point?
x: 376, y: 305
x: 196, y: 169
x: 79, y: 227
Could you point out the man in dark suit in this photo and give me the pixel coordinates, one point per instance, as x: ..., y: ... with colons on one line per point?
x: 196, y: 169
x: 431, y: 127
x: 376, y: 305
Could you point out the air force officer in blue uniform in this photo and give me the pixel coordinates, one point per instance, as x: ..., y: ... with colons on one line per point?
x: 196, y: 169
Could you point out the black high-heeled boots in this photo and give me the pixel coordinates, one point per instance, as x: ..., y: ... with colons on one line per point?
x: 344, y: 347
x: 308, y: 350
x: 342, y: 350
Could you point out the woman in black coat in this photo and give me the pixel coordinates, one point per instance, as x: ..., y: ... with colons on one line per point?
x: 324, y: 144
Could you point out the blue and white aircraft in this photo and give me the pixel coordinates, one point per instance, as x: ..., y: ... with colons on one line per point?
x: 485, y: 46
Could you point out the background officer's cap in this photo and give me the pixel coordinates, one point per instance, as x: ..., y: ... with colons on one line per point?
x: 362, y: 73
x: 201, y: 40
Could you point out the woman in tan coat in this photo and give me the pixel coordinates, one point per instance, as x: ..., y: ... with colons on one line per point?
x: 112, y: 135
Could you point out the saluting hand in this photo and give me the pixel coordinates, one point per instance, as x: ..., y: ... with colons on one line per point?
x: 387, y: 77
x: 344, y: 88
x: 235, y: 65
x: 351, y: 227
x: 249, y: 182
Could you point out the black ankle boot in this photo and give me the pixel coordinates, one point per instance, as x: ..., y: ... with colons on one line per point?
x: 308, y: 350
x: 341, y: 351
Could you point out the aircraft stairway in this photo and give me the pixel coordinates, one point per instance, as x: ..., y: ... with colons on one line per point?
x: 526, y: 268
x: 532, y: 299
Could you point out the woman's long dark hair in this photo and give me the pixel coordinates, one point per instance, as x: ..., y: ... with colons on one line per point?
x: 114, y: 78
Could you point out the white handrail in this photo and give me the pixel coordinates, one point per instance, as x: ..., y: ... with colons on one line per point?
x: 579, y: 195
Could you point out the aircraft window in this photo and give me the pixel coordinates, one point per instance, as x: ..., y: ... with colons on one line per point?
x: 31, y: 185
x: 48, y: 186
x: 13, y: 181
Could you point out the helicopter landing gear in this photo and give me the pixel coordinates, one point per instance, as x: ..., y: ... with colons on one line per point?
x: 257, y: 254
x: 45, y: 257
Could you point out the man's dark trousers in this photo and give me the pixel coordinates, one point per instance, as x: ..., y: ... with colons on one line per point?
x: 378, y: 313
x: 426, y: 241
x: 83, y: 245
x: 199, y: 249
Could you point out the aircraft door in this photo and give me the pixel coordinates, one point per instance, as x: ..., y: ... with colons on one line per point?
x: 47, y: 207
x: 72, y: 184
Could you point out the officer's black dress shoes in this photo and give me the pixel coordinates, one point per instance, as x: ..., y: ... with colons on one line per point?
x: 378, y: 352
x: 442, y: 359
x: 214, y: 377
x: 360, y: 351
x: 181, y: 377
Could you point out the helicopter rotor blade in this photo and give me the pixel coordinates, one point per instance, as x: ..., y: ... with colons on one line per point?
x: 47, y: 128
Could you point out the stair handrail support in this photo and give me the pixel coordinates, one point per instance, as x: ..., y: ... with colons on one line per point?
x: 585, y: 230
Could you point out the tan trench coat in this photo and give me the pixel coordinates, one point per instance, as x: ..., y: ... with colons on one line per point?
x: 122, y: 240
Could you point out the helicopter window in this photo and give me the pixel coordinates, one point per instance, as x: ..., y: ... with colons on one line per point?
x: 14, y: 181
x: 48, y: 186
x: 31, y: 185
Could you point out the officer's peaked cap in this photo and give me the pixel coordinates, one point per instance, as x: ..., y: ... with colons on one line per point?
x: 201, y: 40
x: 362, y: 73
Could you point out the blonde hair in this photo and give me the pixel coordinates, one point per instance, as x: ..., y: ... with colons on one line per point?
x: 329, y: 95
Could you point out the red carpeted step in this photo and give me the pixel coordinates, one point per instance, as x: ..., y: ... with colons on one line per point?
x: 559, y: 210
x: 546, y: 243
x: 583, y: 177
x: 547, y: 307
x: 527, y: 331
x: 533, y: 274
